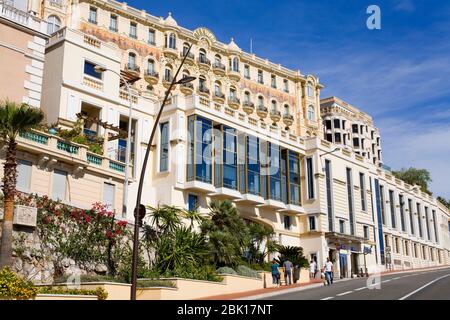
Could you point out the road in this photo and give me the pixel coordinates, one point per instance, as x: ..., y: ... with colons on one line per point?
x: 418, y: 285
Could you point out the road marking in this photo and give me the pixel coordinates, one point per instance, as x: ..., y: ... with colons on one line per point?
x: 423, y: 287
x: 327, y: 298
x: 395, y: 278
x: 359, y: 289
x: 344, y: 293
x: 386, y: 280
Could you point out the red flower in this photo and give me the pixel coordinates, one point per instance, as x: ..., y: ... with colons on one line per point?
x: 47, y: 220
x: 109, y: 234
x: 87, y: 218
x: 122, y: 223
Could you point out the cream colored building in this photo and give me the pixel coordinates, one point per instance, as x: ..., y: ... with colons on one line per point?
x: 246, y: 129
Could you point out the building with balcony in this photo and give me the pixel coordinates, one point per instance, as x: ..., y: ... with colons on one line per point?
x: 247, y: 130
x: 345, y: 125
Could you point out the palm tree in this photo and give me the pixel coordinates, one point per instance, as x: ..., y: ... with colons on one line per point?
x: 165, y: 218
x: 14, y: 119
x: 193, y: 216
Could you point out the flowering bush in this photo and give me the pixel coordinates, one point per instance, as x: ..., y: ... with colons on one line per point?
x: 13, y: 287
x: 88, y: 237
x: 101, y: 293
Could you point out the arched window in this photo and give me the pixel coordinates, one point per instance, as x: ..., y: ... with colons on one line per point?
x: 131, y: 61
x: 310, y: 90
x: 217, y: 60
x: 171, y: 41
x: 168, y: 73
x: 53, y: 24
x: 202, y: 83
x: 260, y: 101
x: 185, y: 73
x: 202, y: 55
x: 150, y: 66
x: 233, y: 93
x: 235, y: 64
x: 247, y: 97
x: 185, y: 48
x: 273, y: 105
x: 286, y: 110
x: 217, y: 89
x: 311, y: 115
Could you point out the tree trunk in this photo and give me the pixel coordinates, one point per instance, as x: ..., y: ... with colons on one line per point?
x: 9, y: 190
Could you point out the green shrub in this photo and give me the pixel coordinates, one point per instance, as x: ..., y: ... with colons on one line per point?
x: 99, y: 292
x: 92, y: 278
x: 96, y: 148
x: 226, y: 270
x: 14, y: 287
x: 146, y: 283
x: 247, y: 272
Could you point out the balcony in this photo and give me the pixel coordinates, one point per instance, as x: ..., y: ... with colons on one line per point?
x: 219, y: 68
x: 93, y: 83
x: 204, y: 63
x: 248, y: 107
x: 288, y: 120
x: 203, y: 91
x: 171, y: 52
x: 52, y: 149
x: 219, y: 97
x: 234, y: 75
x: 275, y: 116
x: 190, y: 57
x: 167, y: 80
x: 151, y: 77
x: 261, y: 111
x: 234, y: 103
x: 12, y: 13
x: 133, y: 69
x: 187, y: 88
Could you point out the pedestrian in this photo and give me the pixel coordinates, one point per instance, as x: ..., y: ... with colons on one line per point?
x: 288, y: 266
x: 312, y: 269
x: 328, y: 270
x: 275, y: 272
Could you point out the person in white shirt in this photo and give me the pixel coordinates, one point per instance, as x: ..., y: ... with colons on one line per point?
x: 328, y: 270
x: 312, y: 269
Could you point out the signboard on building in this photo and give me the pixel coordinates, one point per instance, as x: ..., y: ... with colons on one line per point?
x: 25, y: 216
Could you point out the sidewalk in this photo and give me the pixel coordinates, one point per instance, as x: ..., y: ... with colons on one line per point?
x: 254, y: 294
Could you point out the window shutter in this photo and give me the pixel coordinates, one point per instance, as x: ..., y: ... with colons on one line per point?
x: 59, y: 184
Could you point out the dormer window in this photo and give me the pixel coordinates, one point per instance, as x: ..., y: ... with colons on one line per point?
x: 235, y: 64
x: 170, y: 41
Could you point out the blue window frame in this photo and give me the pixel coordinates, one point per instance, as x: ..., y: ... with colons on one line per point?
x: 294, y: 178
x: 192, y: 202
x: 274, y: 172
x: 229, y: 158
x: 253, y: 166
x: 89, y: 69
x: 199, y: 149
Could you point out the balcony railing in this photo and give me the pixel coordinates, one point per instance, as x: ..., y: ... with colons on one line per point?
x: 187, y: 85
x: 151, y: 73
x: 190, y: 55
x: 233, y: 99
x: 203, y: 90
x: 132, y: 67
x: 203, y: 60
x: 219, y: 95
x: 219, y: 65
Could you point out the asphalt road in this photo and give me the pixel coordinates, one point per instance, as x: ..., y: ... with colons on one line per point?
x: 419, y: 285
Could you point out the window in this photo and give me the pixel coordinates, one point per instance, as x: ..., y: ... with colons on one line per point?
x: 286, y: 85
x: 392, y: 203
x: 217, y: 89
x: 350, y: 200
x: 247, y: 72
x: 164, y: 147
x: 356, y: 142
x: 202, y: 56
x: 260, y: 77
x: 362, y: 186
x: 170, y: 41
x: 337, y: 137
x: 310, y: 172
x: 202, y: 83
x: 402, y: 213
x: 311, y: 113
x: 131, y: 61
x: 133, y: 30
x: 411, y: 216
x: 287, y: 222
x: 273, y: 106
x: 253, y: 166
x: 53, y: 24
x: 89, y: 69
x: 382, y: 207
x: 232, y: 94
x: 275, y: 172
x: 419, y: 220
x: 312, y: 223
x: 192, y: 202
x: 23, y: 175
x: 435, y: 225
x: 329, y: 188
x: 93, y: 15
x: 151, y: 37
x: 260, y: 101
x: 273, y: 81
x: 199, y: 140
x: 337, y: 123
x: 310, y: 90
x: 59, y: 184
x: 150, y: 67
x: 235, y: 64
x: 108, y: 195
x: 366, y: 232
x: 294, y: 177
x: 247, y: 97
x: 341, y: 226
x: 427, y: 224
x: 168, y: 74
x: 113, y: 23
x: 355, y: 128
x: 229, y: 158
x: 286, y: 110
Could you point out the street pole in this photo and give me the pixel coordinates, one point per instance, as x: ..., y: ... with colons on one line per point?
x: 141, y: 180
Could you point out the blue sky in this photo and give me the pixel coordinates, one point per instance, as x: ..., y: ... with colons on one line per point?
x: 399, y: 74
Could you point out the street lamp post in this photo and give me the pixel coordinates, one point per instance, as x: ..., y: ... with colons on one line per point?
x: 101, y: 69
x: 324, y: 154
x: 139, y: 208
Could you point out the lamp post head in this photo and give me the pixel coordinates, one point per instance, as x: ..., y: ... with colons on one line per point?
x: 186, y: 79
x: 99, y: 69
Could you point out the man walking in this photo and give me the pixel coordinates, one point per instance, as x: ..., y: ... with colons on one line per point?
x: 328, y: 270
x: 275, y: 273
x: 288, y: 266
